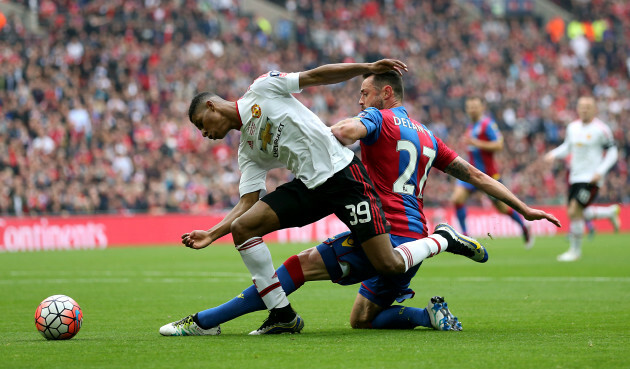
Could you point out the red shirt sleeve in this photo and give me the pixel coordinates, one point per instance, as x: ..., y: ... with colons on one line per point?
x: 445, y: 155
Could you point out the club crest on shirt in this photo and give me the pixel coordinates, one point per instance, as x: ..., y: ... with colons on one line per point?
x: 256, y: 112
x: 251, y: 144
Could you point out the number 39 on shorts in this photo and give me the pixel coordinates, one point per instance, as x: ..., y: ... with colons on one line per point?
x: 359, y: 213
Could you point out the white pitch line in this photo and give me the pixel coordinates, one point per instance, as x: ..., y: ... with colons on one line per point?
x: 128, y: 273
x: 241, y: 277
x: 40, y: 281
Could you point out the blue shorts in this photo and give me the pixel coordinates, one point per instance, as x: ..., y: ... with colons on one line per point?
x: 347, y: 264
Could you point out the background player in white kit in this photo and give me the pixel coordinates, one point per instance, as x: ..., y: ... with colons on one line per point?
x: 586, y: 140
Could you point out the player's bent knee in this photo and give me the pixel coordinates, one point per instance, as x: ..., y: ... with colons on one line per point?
x: 359, y: 323
x: 241, y: 232
x: 392, y: 267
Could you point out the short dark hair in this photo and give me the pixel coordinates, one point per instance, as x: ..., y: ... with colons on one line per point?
x: 199, y: 99
x: 390, y: 78
x: 476, y: 97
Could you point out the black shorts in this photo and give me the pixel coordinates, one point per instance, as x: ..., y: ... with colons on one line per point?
x: 583, y: 193
x: 349, y: 194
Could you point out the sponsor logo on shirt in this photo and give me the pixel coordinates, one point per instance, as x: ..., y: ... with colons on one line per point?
x: 256, y: 112
x: 265, y: 136
x: 277, y: 139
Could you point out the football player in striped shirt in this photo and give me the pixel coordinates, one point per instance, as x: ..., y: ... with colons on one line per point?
x: 483, y: 140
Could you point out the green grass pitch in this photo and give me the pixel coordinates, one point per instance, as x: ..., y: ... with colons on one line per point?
x: 522, y: 309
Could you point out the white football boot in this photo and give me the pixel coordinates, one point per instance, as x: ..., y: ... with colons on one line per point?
x: 569, y: 256
x: 188, y: 327
x: 441, y: 317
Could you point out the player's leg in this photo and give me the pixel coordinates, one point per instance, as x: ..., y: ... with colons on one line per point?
x: 289, y: 205
x: 518, y: 218
x: 373, y: 307
x: 590, y: 227
x: 294, y: 205
x: 444, y: 238
x: 358, y: 205
x: 576, y: 232
x: 247, y: 231
x: 610, y: 212
x: 436, y: 315
x: 458, y: 199
x: 580, y: 196
x: 292, y: 274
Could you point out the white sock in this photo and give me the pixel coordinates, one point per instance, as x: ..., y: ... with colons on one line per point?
x: 576, y: 232
x: 257, y: 258
x: 414, y: 252
x: 599, y: 212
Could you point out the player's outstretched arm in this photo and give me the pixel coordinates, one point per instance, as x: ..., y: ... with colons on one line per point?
x: 199, y: 239
x: 461, y: 169
x: 334, y: 73
x: 349, y: 130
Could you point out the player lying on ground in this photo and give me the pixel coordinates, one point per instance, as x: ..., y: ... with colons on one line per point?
x: 341, y: 260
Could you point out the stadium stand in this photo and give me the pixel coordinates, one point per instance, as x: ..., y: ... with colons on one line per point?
x: 93, y: 108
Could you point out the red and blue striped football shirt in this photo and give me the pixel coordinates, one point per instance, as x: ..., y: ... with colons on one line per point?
x: 398, y: 153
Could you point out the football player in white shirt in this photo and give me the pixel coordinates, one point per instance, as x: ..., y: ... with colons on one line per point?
x: 278, y: 131
x: 586, y: 141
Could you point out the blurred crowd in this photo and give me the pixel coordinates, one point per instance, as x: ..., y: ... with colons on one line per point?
x: 93, y: 107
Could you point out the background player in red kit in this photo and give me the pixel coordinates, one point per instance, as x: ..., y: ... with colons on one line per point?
x: 483, y: 140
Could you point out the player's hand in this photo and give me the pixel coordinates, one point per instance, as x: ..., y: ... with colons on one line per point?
x: 535, y: 214
x: 385, y: 65
x: 548, y: 159
x: 196, y: 239
x: 469, y: 141
x: 595, y: 179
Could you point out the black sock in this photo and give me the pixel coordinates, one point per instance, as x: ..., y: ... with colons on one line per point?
x: 283, y: 314
x: 196, y: 320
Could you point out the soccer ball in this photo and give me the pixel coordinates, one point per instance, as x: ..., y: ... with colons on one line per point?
x: 58, y: 317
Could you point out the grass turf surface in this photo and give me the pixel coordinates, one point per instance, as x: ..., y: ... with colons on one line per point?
x: 522, y: 309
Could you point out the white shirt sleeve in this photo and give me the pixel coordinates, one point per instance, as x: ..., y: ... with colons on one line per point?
x: 253, y: 177
x: 277, y: 83
x: 609, y: 160
x: 561, y: 151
